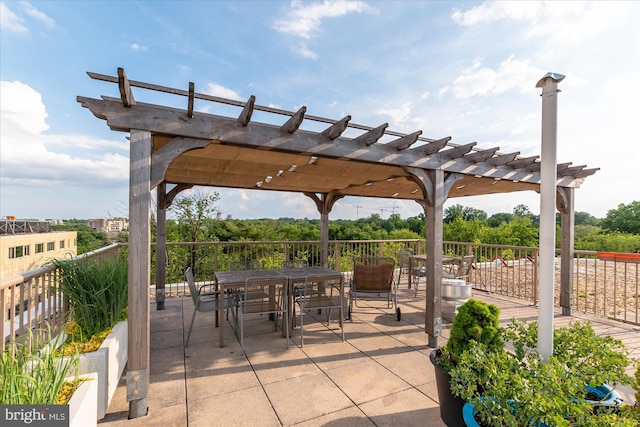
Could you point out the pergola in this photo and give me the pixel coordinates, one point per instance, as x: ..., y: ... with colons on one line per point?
x: 173, y: 149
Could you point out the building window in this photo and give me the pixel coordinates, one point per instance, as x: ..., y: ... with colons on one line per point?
x: 26, y: 250
x: 51, y: 246
x: 61, y: 244
x: 18, y: 251
x: 39, y: 248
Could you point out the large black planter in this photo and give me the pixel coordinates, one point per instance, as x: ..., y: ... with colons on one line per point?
x: 450, y: 405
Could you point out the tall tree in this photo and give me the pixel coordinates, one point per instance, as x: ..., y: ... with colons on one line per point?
x: 626, y: 218
x: 192, y: 211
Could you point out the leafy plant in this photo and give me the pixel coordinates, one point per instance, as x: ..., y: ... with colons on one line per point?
x: 97, y: 292
x: 33, y: 377
x: 519, y: 387
x: 475, y: 321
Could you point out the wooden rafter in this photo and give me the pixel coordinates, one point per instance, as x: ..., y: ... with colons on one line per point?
x: 481, y: 155
x: 293, y: 124
x: 247, y: 111
x: 522, y: 162
x: 572, y: 170
x: 336, y: 129
x: 503, y: 159
x: 459, y: 151
x: 433, y: 146
x: 125, y: 89
x: 372, y: 136
x: 405, y: 142
x: 192, y: 90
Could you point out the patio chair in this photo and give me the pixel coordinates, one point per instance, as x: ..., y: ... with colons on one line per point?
x: 404, y: 260
x: 317, y: 294
x: 205, y: 299
x: 374, y: 276
x: 464, y: 268
x: 263, y: 295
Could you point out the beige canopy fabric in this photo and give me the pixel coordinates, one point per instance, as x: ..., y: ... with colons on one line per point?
x: 174, y: 148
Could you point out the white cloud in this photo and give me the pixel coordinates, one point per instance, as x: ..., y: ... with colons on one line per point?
x: 136, y: 47
x: 305, y: 52
x: 483, y: 81
x: 398, y: 114
x: 37, y: 14
x: 304, y: 20
x: 565, y: 22
x: 495, y: 11
x: 28, y: 154
x: 10, y: 21
x: 23, y: 107
x: 214, y: 89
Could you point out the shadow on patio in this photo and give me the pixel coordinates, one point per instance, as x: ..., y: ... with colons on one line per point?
x: 381, y: 374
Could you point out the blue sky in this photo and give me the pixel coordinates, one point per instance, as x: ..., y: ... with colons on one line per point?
x: 462, y: 69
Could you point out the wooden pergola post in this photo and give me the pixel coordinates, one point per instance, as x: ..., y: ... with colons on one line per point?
x: 566, y: 206
x: 324, y: 203
x: 161, y: 244
x: 433, y: 246
x: 139, y: 272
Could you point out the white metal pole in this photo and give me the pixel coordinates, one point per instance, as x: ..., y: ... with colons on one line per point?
x: 549, y: 85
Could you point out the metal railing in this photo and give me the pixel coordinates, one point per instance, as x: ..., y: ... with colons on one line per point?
x: 606, y: 286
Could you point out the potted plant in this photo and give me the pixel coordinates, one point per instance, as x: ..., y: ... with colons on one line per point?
x: 475, y: 321
x: 519, y: 387
x: 38, y: 377
x: 97, y: 292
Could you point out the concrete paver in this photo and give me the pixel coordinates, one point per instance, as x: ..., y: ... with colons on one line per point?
x: 380, y: 376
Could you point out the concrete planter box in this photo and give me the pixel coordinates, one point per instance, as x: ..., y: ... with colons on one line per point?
x: 83, y: 405
x: 108, y: 362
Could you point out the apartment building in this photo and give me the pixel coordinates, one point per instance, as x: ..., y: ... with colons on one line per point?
x: 111, y: 225
x: 25, y: 246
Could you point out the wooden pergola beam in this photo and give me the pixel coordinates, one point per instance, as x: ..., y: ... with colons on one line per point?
x: 372, y: 136
x: 294, y: 122
x: 125, y: 89
x: 247, y: 111
x: 405, y: 142
x: 433, y: 146
x: 481, y: 155
x: 336, y: 129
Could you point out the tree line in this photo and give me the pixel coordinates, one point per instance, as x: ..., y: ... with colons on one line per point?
x: 194, y: 220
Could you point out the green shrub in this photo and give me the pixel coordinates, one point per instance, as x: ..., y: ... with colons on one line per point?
x: 475, y: 321
x: 33, y: 377
x: 522, y: 388
x: 97, y: 292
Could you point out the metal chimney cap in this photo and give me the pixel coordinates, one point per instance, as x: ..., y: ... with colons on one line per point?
x: 557, y: 78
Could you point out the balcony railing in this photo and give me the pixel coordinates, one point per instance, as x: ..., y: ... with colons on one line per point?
x: 31, y: 303
x: 605, y: 285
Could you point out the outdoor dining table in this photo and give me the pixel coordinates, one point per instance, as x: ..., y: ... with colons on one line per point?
x: 236, y: 280
x: 446, y: 259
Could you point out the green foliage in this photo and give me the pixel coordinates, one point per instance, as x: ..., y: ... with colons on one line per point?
x: 625, y: 219
x: 521, y: 388
x: 610, y: 242
x: 88, y: 240
x: 465, y: 213
x: 476, y: 321
x: 33, y: 377
x: 97, y: 291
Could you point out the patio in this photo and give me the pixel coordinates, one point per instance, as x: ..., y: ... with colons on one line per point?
x: 381, y: 375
